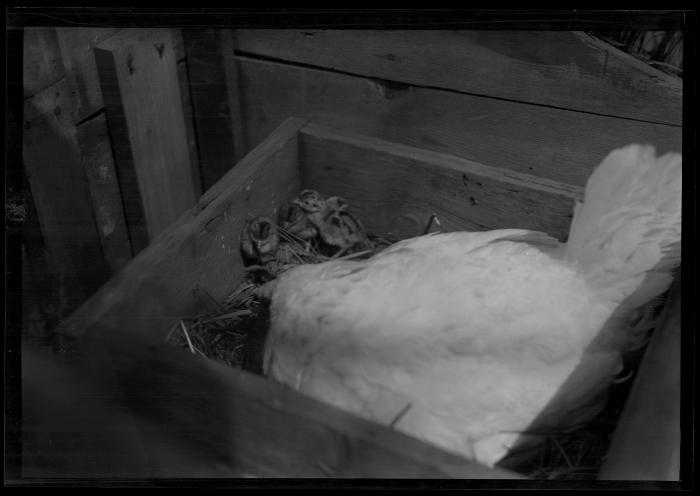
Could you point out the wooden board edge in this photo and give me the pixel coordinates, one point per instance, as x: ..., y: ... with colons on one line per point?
x: 199, y: 215
x: 287, y: 130
x: 444, y: 160
x: 297, y: 47
x: 244, y: 419
x: 646, y: 442
x: 638, y: 64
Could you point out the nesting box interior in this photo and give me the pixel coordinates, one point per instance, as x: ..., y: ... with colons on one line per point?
x: 395, y: 188
x: 202, y: 250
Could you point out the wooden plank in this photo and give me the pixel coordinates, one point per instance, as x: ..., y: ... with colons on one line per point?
x: 564, y: 69
x: 133, y: 203
x: 188, y: 112
x: 76, y: 46
x: 42, y: 308
x: 252, y: 426
x: 213, y: 113
x: 187, y: 108
x: 202, y: 247
x: 43, y: 65
x: 98, y: 162
x: 70, y: 428
x: 178, y: 45
x: 560, y: 145
x: 60, y: 191
x: 395, y: 189
x: 141, y: 63
x: 228, y: 45
x: 202, y: 419
x: 646, y: 444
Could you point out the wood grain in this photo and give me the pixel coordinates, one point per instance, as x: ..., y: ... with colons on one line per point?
x: 265, y: 429
x: 105, y: 193
x: 178, y: 45
x: 129, y: 184
x: 60, y: 191
x: 213, y: 119
x: 43, y: 64
x: 76, y: 47
x: 228, y: 45
x: 202, y: 247
x: 145, y: 69
x: 395, y: 189
x: 200, y: 419
x: 570, y: 70
x: 647, y: 440
x: 560, y: 145
x: 188, y: 112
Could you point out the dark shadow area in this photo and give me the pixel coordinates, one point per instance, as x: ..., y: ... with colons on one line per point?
x: 574, y: 431
x: 120, y: 406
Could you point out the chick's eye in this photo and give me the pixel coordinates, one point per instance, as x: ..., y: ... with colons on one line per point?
x: 294, y: 214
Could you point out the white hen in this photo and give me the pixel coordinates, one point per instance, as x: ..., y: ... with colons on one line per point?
x: 465, y: 339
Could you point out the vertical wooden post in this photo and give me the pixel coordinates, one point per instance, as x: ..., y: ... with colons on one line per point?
x: 97, y: 160
x: 183, y: 79
x: 123, y: 158
x: 94, y: 141
x: 214, y: 89
x: 59, y: 186
x: 42, y: 65
x: 228, y: 46
x: 138, y: 75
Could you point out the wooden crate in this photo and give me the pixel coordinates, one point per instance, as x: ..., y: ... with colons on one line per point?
x: 261, y: 428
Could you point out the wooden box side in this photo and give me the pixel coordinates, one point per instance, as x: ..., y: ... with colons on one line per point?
x: 564, y: 69
x: 647, y: 440
x: 167, y: 413
x: 252, y: 426
x: 394, y: 188
x: 155, y: 289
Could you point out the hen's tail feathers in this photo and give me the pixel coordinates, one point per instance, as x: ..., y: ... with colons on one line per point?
x: 626, y: 235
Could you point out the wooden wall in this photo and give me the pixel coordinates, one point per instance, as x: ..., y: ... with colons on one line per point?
x: 125, y: 128
x: 546, y: 103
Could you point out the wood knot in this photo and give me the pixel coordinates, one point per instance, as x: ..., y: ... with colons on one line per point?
x: 159, y: 49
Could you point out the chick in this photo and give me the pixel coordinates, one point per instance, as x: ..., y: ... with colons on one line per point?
x: 336, y: 203
x: 259, y: 240
x: 336, y: 226
x: 295, y: 219
x: 342, y: 230
x: 310, y: 201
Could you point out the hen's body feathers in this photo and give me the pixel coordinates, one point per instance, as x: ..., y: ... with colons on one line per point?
x: 465, y: 339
